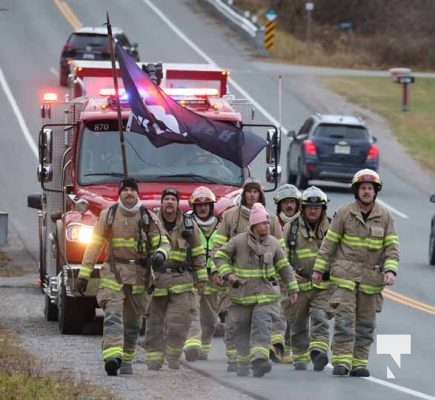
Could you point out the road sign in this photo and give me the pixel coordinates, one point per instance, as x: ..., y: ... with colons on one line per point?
x: 271, y: 15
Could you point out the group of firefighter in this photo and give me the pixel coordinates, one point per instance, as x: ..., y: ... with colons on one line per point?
x: 278, y: 278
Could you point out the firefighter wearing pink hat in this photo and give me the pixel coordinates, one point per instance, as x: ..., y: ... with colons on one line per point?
x: 252, y: 262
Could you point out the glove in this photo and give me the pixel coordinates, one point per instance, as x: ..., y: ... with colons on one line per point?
x: 157, y: 259
x: 82, y: 284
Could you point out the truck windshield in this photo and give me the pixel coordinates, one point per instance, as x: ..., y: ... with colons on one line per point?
x: 100, y: 160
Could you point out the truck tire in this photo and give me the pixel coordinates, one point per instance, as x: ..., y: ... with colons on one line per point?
x: 50, y: 310
x: 72, y: 314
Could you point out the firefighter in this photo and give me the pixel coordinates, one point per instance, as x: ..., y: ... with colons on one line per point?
x: 235, y: 221
x: 310, y: 314
x: 251, y: 263
x: 204, y: 323
x: 361, y: 251
x: 287, y: 199
x: 133, y: 234
x: 173, y: 301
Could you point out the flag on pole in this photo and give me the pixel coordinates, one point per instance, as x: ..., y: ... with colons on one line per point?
x: 159, y: 117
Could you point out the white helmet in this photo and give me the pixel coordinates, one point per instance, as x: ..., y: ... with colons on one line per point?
x: 287, y: 192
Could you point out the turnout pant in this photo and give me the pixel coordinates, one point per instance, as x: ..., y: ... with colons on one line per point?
x: 355, y: 321
x: 310, y: 325
x: 252, y: 330
x: 122, y: 321
x: 167, y: 326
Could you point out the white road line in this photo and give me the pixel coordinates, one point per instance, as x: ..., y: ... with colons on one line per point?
x: 54, y: 71
x: 18, y: 114
x: 401, y: 389
x: 392, y: 209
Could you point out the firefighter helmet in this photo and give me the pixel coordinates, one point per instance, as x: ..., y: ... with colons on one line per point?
x: 202, y: 194
x: 313, y: 196
x: 367, y: 175
x: 287, y: 192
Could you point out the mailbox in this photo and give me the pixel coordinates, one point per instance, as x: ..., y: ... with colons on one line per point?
x: 402, y: 75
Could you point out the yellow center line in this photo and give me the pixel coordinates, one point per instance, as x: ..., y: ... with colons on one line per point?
x: 407, y: 301
x: 68, y: 14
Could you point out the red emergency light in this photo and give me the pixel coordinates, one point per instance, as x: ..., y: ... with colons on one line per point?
x: 50, y: 96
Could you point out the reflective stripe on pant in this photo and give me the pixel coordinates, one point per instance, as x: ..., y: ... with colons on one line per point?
x: 355, y: 320
x: 167, y: 326
x: 122, y: 321
x: 252, y: 329
x: 194, y: 335
x: 310, y: 326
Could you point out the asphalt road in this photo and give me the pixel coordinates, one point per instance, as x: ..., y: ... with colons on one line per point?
x: 31, y: 37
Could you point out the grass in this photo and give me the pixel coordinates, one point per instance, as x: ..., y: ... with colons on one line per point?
x: 414, y: 129
x: 21, y: 377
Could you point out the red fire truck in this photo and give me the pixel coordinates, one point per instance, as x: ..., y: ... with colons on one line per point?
x: 80, y: 166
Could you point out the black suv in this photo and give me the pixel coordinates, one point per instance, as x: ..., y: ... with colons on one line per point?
x: 330, y: 147
x: 91, y: 43
x: 432, y: 236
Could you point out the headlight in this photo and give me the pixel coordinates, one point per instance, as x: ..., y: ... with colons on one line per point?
x: 79, y: 233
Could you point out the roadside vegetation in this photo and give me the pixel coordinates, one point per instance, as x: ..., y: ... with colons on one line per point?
x: 382, y: 35
x: 21, y: 377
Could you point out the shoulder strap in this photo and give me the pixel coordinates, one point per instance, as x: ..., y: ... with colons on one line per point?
x: 293, y: 233
x: 109, y: 221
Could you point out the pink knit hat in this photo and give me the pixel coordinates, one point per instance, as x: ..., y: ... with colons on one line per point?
x: 258, y: 214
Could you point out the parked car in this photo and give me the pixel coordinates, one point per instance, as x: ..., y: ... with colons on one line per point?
x: 432, y: 236
x: 330, y: 147
x: 92, y: 43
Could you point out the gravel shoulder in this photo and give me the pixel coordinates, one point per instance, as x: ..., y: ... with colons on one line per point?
x: 79, y: 357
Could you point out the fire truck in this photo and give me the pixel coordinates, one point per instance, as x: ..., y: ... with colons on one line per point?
x: 80, y: 166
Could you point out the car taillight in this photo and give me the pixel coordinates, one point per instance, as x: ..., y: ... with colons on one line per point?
x: 68, y: 47
x: 373, y: 151
x: 310, y: 148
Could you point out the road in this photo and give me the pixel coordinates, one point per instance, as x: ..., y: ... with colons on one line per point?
x: 31, y: 37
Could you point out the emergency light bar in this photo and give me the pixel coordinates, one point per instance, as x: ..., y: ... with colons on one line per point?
x: 110, y: 92
x: 191, y: 91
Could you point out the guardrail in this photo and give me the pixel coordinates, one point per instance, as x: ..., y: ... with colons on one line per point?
x: 248, y: 27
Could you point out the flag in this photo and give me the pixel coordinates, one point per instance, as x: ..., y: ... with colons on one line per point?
x: 164, y: 121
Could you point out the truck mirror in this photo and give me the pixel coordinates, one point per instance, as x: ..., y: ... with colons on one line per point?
x: 273, y: 147
x: 45, y: 173
x: 273, y: 174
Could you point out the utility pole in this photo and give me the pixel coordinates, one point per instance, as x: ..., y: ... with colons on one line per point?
x: 309, y: 7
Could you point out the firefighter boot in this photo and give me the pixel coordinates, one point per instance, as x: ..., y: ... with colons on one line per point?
x: 276, y: 352
x: 111, y: 365
x: 232, y: 366
x: 361, y: 372
x: 243, y: 370
x: 153, y: 366
x: 173, y: 364
x: 260, y: 366
x: 192, y: 353
x: 300, y: 365
x: 319, y: 359
x: 126, y: 368
x: 340, y: 370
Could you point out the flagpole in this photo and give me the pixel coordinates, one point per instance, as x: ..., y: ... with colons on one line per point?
x: 118, y: 105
